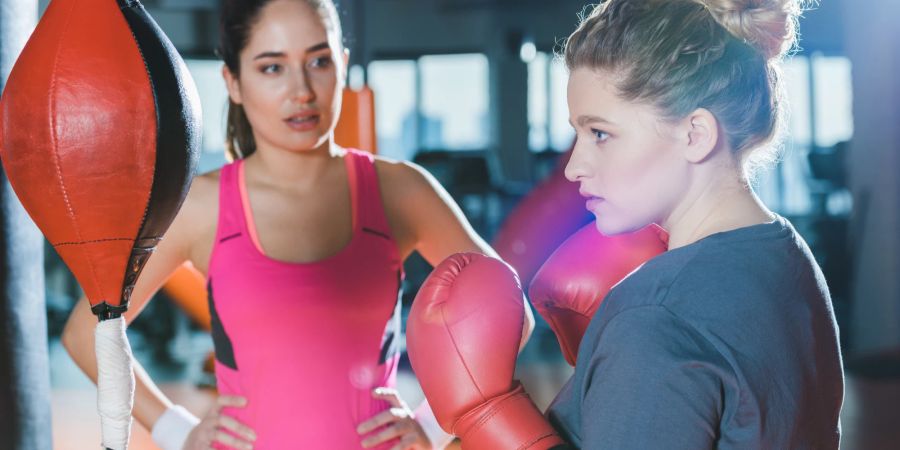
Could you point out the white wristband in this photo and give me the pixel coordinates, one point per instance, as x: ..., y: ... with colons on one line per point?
x: 173, y: 427
x: 438, y: 437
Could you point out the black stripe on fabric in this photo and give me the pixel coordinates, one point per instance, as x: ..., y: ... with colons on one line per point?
x: 376, y: 233
x: 178, y: 131
x: 230, y: 237
x: 221, y: 342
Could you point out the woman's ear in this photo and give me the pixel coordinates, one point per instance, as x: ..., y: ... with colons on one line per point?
x: 232, y: 84
x: 702, y: 135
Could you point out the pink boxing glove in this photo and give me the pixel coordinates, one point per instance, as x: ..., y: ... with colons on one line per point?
x: 569, y: 287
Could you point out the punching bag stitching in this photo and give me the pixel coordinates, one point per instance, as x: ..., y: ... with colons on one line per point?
x: 95, y: 241
x: 55, y: 143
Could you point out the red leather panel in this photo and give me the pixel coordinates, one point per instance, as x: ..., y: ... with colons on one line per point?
x: 79, y: 139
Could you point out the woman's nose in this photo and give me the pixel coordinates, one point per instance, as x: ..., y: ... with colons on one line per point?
x: 301, y: 91
x: 576, y: 169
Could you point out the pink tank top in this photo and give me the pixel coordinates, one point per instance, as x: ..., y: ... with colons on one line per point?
x: 305, y: 343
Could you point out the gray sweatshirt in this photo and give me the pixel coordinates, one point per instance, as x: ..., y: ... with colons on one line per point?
x: 727, y: 343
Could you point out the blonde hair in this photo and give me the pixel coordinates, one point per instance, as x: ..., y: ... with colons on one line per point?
x: 680, y: 55
x: 770, y: 26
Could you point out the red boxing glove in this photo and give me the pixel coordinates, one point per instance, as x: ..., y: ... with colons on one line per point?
x: 569, y: 287
x: 463, y: 338
x: 541, y: 222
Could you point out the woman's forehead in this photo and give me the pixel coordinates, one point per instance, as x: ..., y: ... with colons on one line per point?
x: 593, y: 94
x: 289, y: 26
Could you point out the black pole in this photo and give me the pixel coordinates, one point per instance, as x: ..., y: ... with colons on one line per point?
x: 24, y: 365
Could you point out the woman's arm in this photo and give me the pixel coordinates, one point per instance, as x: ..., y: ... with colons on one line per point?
x: 172, y: 251
x: 423, y: 217
x: 655, y: 382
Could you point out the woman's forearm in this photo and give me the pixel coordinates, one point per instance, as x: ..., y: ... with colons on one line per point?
x: 78, y: 339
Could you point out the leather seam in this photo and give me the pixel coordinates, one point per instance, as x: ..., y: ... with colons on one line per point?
x: 466, y: 366
x: 55, y: 143
x: 95, y: 241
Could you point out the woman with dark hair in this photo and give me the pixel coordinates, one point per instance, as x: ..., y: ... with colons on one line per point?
x: 302, y: 243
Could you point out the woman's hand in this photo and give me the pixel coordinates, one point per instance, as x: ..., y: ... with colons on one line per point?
x: 212, y: 429
x: 396, y: 424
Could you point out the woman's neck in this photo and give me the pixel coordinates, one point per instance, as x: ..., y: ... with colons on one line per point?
x: 718, y: 206
x: 299, y: 170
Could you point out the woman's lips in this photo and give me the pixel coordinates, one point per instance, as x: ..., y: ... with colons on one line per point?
x: 303, y: 122
x: 593, y: 203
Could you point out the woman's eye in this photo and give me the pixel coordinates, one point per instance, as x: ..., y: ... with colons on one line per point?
x: 271, y: 68
x: 601, y: 135
x: 321, y: 62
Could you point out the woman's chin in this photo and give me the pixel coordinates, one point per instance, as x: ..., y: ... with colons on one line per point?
x: 612, y: 226
x: 304, y: 142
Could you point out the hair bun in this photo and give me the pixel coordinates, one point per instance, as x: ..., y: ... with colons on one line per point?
x: 768, y: 25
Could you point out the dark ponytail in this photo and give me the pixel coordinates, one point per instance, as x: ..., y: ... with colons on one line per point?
x: 239, y: 141
x: 235, y: 21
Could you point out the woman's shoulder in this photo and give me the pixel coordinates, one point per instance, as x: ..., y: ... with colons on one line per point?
x: 728, y: 279
x: 208, y: 179
x: 204, y: 191
x: 670, y: 281
x: 403, y: 179
x: 412, y: 199
x: 395, y: 169
x: 200, y: 208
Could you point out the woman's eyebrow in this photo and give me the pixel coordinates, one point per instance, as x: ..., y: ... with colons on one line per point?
x: 276, y: 54
x: 317, y: 47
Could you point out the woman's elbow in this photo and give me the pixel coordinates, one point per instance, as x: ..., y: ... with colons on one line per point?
x: 69, y: 337
x: 76, y: 331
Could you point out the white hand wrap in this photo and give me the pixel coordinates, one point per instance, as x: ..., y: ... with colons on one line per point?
x: 172, y: 428
x: 438, y: 437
